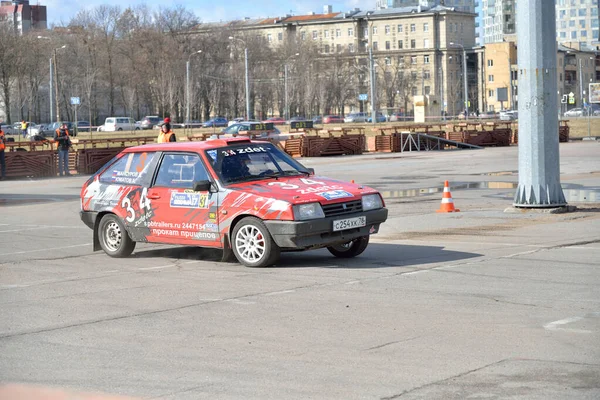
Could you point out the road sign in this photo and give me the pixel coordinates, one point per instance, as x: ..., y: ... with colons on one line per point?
x: 75, y: 101
x: 594, y: 92
x: 564, y: 99
x: 363, y: 97
x: 571, y: 98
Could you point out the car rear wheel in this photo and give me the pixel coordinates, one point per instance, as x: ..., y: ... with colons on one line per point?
x: 350, y: 249
x: 253, y: 245
x: 113, y: 236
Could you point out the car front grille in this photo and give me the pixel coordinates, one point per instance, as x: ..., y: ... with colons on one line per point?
x: 337, y: 209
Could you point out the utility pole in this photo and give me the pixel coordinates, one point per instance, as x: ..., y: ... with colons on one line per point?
x: 372, y: 71
x: 539, y: 166
x: 56, y: 87
x: 51, y: 90
x: 247, y: 83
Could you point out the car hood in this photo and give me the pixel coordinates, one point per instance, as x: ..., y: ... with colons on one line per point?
x: 305, y: 189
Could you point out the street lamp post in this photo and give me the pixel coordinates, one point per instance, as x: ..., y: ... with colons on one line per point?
x: 372, y: 71
x: 285, y: 78
x: 56, y: 83
x: 464, y: 77
x: 247, y: 76
x: 187, y: 86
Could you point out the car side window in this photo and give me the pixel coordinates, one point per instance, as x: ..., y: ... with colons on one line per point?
x: 131, y: 169
x: 180, y: 171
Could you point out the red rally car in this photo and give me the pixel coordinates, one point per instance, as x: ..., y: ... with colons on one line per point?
x: 246, y: 197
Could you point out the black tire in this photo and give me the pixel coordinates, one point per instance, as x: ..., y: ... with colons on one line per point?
x: 253, y: 245
x: 114, y: 239
x: 120, y: 129
x: 350, y: 249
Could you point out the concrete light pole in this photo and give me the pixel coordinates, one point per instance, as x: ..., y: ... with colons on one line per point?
x: 286, y: 112
x: 466, y: 87
x: 539, y: 164
x: 187, y: 87
x: 56, y: 80
x: 248, y: 116
x: 372, y: 71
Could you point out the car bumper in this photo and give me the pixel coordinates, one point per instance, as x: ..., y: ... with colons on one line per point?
x: 319, y: 233
x: 88, y: 218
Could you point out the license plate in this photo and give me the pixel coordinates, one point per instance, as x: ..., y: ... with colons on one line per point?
x: 349, y: 223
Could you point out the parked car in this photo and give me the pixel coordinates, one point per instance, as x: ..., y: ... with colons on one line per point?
x: 397, y: 117
x: 83, y: 126
x: 36, y: 130
x: 50, y: 129
x: 235, y: 121
x: 113, y: 124
x: 574, y: 112
x: 217, y: 121
x: 379, y: 117
x: 356, y: 117
x: 317, y: 120
x: 149, y: 121
x: 248, y: 198
x: 333, y: 119
x: 296, y: 118
x: 243, y: 126
x: 509, y: 115
x: 485, y: 115
x: 275, y: 120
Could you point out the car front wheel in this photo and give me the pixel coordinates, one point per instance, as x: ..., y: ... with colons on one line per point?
x: 253, y: 245
x: 114, y: 239
x: 350, y: 249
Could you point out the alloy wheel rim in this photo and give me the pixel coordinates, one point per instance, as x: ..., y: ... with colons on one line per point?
x: 343, y: 246
x: 250, y: 244
x: 113, y: 236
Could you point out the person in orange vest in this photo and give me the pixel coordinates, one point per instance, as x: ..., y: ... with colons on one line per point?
x: 63, y: 142
x: 2, y: 159
x: 166, y: 134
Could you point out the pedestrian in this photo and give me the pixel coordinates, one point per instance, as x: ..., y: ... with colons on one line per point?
x: 24, y: 128
x: 63, y: 143
x: 166, y: 134
x: 2, y: 159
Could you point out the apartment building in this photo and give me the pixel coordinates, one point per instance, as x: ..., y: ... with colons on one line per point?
x: 577, y: 21
x: 499, y: 20
x: 23, y: 16
x: 416, y: 49
x: 458, y: 5
x: 497, y: 74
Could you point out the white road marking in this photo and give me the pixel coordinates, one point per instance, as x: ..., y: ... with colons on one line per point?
x: 556, y: 325
x: 236, y: 301
x: 13, y: 286
x: 419, y: 271
x: 352, y: 283
x: 159, y: 267
x: 280, y: 292
x: 20, y: 230
x: 51, y: 249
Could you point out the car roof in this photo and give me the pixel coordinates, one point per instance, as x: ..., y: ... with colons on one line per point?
x: 190, y: 146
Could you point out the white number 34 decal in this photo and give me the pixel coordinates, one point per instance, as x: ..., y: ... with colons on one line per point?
x: 144, y: 203
x: 289, y: 186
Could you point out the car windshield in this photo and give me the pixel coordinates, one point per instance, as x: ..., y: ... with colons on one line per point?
x: 252, y: 161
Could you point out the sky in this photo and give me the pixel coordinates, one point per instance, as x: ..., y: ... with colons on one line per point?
x: 61, y: 11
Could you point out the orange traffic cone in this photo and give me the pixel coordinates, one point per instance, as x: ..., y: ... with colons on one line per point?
x: 447, y: 202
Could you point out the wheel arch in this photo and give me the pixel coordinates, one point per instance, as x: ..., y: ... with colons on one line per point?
x: 96, y: 240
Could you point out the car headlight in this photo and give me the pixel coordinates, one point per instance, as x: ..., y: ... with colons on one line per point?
x: 308, y: 211
x: 371, y: 202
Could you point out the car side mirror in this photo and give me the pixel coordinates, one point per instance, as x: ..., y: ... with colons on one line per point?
x: 311, y: 170
x: 202, y: 186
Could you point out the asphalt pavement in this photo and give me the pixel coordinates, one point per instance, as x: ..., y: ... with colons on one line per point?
x: 477, y: 304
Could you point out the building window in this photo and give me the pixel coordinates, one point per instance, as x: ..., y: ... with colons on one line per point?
x: 426, y: 59
x: 350, y: 32
x: 490, y: 78
x: 400, y: 44
x: 338, y: 48
x: 366, y: 32
x: 388, y: 45
x: 374, y: 30
x: 388, y: 61
x: 315, y: 35
x: 269, y: 38
x: 490, y: 63
x: 387, y: 29
x: 413, y: 91
x: 583, y: 33
x: 426, y: 27
x: 582, y: 12
x: 582, y: 23
x: 413, y: 59
x: 338, y: 33
x: 574, y: 35
x: 351, y: 48
x: 426, y: 43
x: 427, y: 90
x: 426, y: 74
x: 374, y: 46
x: 399, y: 28
x: 327, y: 33
x: 450, y: 60
x: 572, y: 23
x: 400, y: 60
x: 413, y: 27
x: 490, y: 93
x: 413, y: 43
x: 280, y: 36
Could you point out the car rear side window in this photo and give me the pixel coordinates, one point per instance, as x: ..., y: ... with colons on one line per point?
x: 131, y: 169
x: 180, y: 171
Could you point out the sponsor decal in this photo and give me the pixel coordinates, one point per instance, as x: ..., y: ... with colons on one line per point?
x: 335, y: 194
x: 124, y: 177
x: 212, y: 154
x: 373, y: 230
x: 184, y: 234
x: 212, y: 215
x: 189, y: 200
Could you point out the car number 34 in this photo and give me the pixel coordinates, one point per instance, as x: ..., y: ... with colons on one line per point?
x: 349, y: 223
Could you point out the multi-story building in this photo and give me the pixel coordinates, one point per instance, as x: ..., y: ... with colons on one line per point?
x: 577, y: 21
x: 458, y: 5
x: 417, y: 50
x: 499, y: 20
x: 23, y: 16
x: 497, y: 74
